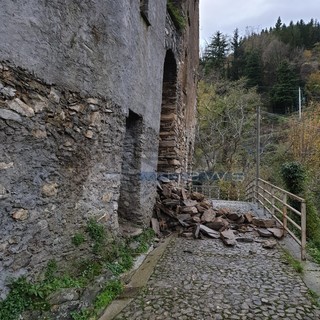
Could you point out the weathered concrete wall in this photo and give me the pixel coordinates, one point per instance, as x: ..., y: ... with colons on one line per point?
x: 96, y: 47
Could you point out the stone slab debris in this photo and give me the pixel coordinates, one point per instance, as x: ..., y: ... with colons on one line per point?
x: 193, y: 216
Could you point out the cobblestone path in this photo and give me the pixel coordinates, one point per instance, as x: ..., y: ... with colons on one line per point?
x: 203, y: 279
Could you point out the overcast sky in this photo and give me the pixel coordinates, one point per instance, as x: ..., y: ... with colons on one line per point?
x: 227, y: 15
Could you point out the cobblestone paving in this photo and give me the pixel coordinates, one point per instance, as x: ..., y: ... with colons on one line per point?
x: 203, y: 279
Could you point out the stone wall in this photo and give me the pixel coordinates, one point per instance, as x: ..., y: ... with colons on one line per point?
x: 61, y: 158
x: 81, y: 87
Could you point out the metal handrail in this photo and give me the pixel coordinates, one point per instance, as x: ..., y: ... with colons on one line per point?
x: 274, y: 199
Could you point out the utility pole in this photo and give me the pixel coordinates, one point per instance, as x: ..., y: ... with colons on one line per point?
x: 300, y: 109
x: 258, y: 154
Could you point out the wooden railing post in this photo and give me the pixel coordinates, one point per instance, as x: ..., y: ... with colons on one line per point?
x: 272, y: 200
x: 257, y: 193
x: 303, y: 230
x: 284, y: 213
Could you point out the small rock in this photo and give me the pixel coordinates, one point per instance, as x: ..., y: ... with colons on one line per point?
x: 277, y: 232
x: 63, y: 295
x: 228, y: 237
x: 89, y: 134
x: 223, y: 212
x: 208, y: 216
x: 4, y: 166
x: 218, y: 224
x: 232, y: 216
x: 263, y: 223
x: 248, y: 217
x: 54, y: 95
x: 209, y: 232
x: 49, y: 189
x: 264, y: 233
x: 20, y: 107
x: 20, y: 215
x: 9, y: 115
x: 269, y: 244
x: 197, y: 196
x: 189, y: 203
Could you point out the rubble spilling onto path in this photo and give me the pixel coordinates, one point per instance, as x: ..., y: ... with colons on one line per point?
x: 193, y: 216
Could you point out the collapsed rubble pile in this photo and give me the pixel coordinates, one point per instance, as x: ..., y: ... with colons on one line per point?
x: 193, y: 216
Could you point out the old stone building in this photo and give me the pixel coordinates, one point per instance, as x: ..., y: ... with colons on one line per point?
x: 96, y: 97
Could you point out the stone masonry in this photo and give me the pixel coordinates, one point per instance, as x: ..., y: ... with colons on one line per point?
x: 85, y: 97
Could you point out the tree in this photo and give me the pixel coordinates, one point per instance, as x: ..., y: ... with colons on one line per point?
x: 237, y: 56
x: 225, y: 116
x: 284, y: 92
x: 253, y: 69
x: 313, y: 86
x: 215, y: 54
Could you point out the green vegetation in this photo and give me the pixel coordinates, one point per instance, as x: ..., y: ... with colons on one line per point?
x: 78, y: 239
x: 176, y: 15
x: 314, y: 297
x: 295, y: 264
x: 271, y: 66
x: 117, y: 256
x: 97, y: 234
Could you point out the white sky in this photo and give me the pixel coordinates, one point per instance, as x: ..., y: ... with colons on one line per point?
x: 227, y: 15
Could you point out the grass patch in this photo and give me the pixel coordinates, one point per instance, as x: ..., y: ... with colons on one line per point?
x: 314, y: 297
x: 25, y: 295
x: 294, y: 263
x: 78, y: 239
x: 314, y: 251
x: 117, y: 257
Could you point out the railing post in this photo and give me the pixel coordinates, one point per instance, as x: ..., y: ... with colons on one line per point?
x: 303, y: 230
x: 257, y: 193
x: 272, y: 200
x: 284, y: 213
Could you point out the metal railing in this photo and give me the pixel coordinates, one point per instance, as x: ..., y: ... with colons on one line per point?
x: 210, y: 191
x: 279, y: 203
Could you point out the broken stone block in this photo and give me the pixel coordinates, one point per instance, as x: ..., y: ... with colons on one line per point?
x: 200, y: 208
x: 269, y: 244
x: 223, y: 212
x: 190, y: 203
x: 218, y: 224
x: 196, y: 219
x: 209, y: 232
x: 205, y: 204
x: 208, y: 216
x: 240, y: 220
x: 277, y: 232
x: 244, y: 239
x: 228, y: 237
x: 190, y: 210
x: 263, y: 223
x: 171, y: 202
x: 264, y: 233
x: 232, y: 216
x: 248, y: 217
x: 197, y: 196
